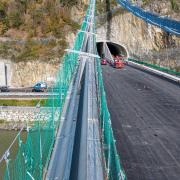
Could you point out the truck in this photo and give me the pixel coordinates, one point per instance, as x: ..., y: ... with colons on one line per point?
x: 117, y: 62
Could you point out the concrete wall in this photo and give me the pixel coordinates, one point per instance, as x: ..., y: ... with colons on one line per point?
x: 12, y: 113
x: 27, y: 73
x: 2, y: 74
x: 17, y: 117
x: 5, y: 72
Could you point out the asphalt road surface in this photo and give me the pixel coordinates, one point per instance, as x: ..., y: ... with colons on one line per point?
x: 145, y: 113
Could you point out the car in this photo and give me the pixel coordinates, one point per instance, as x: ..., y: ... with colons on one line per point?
x: 103, y: 62
x: 39, y: 87
x: 4, y: 89
x: 111, y: 62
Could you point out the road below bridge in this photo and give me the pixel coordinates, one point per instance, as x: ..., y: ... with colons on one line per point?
x: 145, y: 113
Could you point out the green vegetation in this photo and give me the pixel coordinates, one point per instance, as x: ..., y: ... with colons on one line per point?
x: 14, y: 19
x: 145, y: 2
x: 2, y: 121
x: 30, y: 103
x: 13, y: 102
x: 69, y: 2
x: 113, y: 3
x: 174, y: 5
x: 103, y: 6
x: 33, y: 49
x: 36, y: 19
x: 4, y: 24
x: 177, y: 69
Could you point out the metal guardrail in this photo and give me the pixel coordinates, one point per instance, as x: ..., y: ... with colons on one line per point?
x: 59, y: 167
x: 77, y: 108
x: 74, y: 156
x: 155, y: 71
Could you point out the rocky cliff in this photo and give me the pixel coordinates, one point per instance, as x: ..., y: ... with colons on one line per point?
x: 142, y: 40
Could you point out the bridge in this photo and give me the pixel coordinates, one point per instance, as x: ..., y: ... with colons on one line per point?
x: 80, y: 139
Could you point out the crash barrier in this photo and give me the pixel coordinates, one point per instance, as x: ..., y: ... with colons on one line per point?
x: 33, y: 155
x: 166, y: 24
x: 111, y: 157
x: 155, y: 67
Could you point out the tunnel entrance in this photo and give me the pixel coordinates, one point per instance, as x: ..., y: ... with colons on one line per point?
x: 115, y: 49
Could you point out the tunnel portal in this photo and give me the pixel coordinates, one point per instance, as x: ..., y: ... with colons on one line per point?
x: 115, y: 49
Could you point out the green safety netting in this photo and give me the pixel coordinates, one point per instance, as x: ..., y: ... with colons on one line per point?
x: 113, y: 168
x: 33, y: 156
x: 169, y: 71
x: 112, y: 160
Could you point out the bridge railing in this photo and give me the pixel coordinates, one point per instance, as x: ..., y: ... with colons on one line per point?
x: 163, y: 69
x: 33, y: 155
x: 111, y: 157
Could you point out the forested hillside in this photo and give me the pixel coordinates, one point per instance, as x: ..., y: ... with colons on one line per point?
x: 35, y: 27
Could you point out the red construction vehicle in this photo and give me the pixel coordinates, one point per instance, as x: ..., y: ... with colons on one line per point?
x: 117, y: 62
x: 103, y: 62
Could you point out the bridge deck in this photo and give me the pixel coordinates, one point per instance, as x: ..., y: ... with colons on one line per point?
x: 145, y: 113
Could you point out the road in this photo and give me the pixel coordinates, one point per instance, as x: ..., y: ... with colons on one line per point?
x: 145, y: 113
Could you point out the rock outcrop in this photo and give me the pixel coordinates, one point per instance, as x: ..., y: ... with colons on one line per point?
x: 143, y: 41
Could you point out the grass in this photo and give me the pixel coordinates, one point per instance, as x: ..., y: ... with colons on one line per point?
x: 2, y: 121
x: 13, y: 102
x: 33, y: 50
x: 174, y: 5
x: 29, y: 103
x: 146, y: 2
x: 36, y: 19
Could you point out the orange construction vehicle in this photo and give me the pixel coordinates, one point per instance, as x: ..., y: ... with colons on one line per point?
x: 118, y: 63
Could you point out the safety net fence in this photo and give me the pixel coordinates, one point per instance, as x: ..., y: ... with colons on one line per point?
x: 33, y: 154
x: 112, y: 160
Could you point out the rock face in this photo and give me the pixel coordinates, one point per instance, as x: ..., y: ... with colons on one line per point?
x: 30, y: 72
x: 18, y: 117
x: 135, y: 34
x: 25, y: 74
x: 142, y: 40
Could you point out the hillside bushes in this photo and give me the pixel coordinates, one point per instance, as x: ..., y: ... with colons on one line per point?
x: 37, y: 17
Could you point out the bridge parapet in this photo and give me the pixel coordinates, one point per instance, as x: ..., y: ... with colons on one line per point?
x: 71, y: 148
